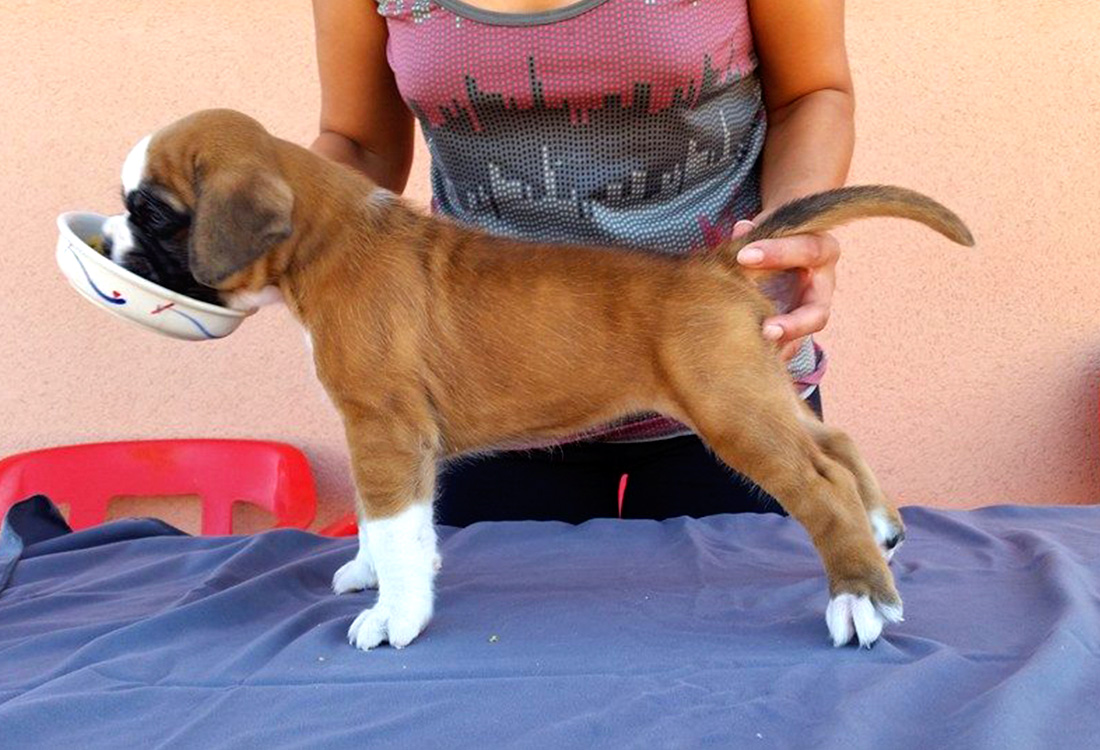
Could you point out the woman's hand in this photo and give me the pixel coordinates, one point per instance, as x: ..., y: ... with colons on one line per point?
x: 815, y: 257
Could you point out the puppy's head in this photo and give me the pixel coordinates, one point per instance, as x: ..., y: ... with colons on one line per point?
x: 206, y: 206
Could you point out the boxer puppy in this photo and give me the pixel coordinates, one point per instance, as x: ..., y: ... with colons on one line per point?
x: 435, y: 340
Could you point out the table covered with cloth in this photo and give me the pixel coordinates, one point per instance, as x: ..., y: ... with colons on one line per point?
x: 680, y: 633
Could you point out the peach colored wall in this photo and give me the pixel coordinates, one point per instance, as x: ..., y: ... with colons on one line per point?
x: 969, y: 377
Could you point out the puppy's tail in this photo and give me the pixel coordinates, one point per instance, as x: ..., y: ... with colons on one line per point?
x: 824, y: 211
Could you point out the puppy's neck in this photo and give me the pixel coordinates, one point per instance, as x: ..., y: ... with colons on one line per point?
x: 341, y: 219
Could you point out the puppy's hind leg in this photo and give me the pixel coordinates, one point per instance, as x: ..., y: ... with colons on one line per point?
x: 885, y: 520
x: 734, y: 392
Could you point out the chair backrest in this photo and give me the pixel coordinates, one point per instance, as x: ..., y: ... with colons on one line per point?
x: 346, y: 525
x: 274, y: 476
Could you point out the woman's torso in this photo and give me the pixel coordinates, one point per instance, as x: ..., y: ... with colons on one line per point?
x: 615, y: 122
x: 630, y: 122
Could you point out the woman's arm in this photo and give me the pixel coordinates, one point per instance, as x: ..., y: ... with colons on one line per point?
x: 364, y: 122
x: 811, y: 134
x: 808, y: 95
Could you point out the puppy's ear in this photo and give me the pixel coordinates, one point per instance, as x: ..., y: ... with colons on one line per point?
x: 239, y: 216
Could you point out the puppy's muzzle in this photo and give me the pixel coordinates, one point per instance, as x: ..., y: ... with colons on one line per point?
x: 118, y: 239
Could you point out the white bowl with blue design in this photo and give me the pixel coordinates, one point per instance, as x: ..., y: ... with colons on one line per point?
x: 129, y: 296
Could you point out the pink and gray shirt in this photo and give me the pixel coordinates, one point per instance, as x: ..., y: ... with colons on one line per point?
x: 615, y: 122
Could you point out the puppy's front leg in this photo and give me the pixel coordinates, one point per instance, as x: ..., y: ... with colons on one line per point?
x: 398, y: 538
x: 358, y: 573
x: 403, y: 547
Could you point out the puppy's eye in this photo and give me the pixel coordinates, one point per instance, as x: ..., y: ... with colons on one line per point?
x: 154, y: 215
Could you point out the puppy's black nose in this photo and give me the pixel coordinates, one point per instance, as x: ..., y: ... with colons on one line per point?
x: 895, y: 540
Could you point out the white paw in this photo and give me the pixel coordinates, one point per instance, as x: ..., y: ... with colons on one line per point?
x: 402, y: 550
x: 888, y: 535
x: 848, y: 615
x: 355, y: 575
x: 397, y: 623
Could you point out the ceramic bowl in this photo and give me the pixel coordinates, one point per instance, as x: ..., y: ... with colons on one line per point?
x: 129, y: 296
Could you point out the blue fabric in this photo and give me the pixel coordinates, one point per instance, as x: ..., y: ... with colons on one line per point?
x: 611, y: 633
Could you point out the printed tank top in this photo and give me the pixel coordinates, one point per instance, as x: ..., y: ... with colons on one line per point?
x: 614, y: 122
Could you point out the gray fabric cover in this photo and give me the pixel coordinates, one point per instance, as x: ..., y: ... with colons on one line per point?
x: 681, y: 633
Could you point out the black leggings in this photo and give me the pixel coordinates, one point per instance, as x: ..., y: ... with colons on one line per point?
x: 657, y: 479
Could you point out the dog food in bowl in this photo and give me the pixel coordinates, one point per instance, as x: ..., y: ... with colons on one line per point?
x: 80, y: 254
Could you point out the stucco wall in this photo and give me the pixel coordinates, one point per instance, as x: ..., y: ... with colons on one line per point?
x: 969, y: 377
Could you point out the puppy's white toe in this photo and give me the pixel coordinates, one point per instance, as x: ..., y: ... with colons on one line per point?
x: 355, y: 575
x: 397, y: 624
x: 838, y: 616
x: 404, y: 626
x: 850, y: 615
x: 369, y: 629
x: 888, y: 535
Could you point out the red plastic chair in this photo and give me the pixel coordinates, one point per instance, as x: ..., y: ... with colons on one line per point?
x: 274, y: 476
x: 344, y: 526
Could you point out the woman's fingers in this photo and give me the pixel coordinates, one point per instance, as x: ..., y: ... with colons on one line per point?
x: 816, y: 256
x: 811, y: 310
x: 743, y: 227
x: 799, y: 251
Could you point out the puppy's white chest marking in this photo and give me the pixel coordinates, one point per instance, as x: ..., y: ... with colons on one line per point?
x: 133, y: 169
x: 250, y: 300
